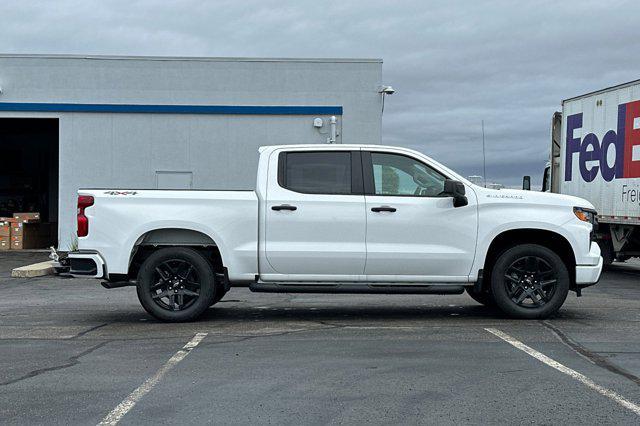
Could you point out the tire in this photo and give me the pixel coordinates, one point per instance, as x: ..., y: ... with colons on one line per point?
x: 529, y: 282
x: 484, y: 297
x: 622, y: 258
x: 608, y: 255
x: 176, y: 284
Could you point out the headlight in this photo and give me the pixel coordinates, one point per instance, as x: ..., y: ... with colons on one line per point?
x: 585, y: 215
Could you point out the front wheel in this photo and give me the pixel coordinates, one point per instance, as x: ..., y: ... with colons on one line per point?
x: 176, y: 284
x: 530, y: 282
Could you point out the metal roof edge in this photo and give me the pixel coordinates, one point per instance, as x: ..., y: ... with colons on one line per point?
x: 187, y: 58
x: 174, y: 109
x: 595, y: 92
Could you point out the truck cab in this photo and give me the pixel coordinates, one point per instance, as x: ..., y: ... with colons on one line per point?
x: 349, y: 214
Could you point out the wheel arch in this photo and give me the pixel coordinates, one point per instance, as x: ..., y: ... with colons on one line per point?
x: 155, y: 239
x: 543, y: 237
x: 175, y: 236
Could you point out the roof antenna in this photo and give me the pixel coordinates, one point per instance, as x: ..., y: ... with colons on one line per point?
x: 484, y: 158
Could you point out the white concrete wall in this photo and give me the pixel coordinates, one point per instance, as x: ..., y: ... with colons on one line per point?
x: 125, y: 150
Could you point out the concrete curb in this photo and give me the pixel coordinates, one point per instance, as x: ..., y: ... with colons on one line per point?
x: 36, y: 270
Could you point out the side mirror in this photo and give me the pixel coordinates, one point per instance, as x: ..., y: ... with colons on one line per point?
x: 526, y: 183
x: 455, y: 189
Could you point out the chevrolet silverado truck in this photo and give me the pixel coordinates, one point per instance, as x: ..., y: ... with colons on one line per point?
x: 339, y: 219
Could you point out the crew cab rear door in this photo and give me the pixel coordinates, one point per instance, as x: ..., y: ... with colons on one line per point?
x: 315, y: 221
x: 414, y: 233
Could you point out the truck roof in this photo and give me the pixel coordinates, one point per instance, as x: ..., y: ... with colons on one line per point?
x: 329, y: 146
x: 618, y: 86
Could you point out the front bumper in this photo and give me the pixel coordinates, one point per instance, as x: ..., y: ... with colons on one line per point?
x: 590, y: 274
x: 86, y: 264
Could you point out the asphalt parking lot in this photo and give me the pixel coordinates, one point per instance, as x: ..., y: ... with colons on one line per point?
x: 72, y: 352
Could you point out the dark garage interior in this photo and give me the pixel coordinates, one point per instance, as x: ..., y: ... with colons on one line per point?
x: 29, y: 179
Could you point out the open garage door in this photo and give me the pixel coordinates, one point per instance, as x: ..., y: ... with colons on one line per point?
x: 29, y: 182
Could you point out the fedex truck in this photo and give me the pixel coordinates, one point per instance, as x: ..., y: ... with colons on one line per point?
x: 595, y: 154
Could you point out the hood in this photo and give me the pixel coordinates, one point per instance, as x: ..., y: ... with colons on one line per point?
x: 529, y: 197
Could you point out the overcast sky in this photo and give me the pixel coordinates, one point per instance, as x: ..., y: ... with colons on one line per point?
x: 453, y: 64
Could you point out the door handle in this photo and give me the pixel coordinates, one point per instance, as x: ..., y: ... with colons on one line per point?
x: 383, y: 209
x: 284, y: 207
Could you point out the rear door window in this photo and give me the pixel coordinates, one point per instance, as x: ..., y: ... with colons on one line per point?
x: 316, y: 172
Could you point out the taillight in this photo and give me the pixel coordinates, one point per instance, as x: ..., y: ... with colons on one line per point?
x: 84, y: 201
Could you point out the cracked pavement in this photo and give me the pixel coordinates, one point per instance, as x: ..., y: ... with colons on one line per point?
x: 70, y: 351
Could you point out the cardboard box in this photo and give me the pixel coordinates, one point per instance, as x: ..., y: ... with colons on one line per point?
x: 31, y: 235
x: 5, y: 243
x: 27, y: 217
x: 26, y: 242
x: 5, y: 229
x: 17, y: 228
x: 16, y: 243
x: 9, y: 220
x: 33, y: 228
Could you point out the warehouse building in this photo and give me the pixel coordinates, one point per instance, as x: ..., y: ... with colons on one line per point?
x: 68, y: 122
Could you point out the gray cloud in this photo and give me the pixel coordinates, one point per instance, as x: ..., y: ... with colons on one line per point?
x: 453, y: 63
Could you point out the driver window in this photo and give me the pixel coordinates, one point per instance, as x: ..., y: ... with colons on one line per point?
x: 400, y: 175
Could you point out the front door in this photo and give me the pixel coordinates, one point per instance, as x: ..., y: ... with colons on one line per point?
x: 414, y: 233
x: 315, y: 217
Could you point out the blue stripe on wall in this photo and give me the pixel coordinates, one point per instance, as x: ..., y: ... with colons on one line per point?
x: 174, y: 109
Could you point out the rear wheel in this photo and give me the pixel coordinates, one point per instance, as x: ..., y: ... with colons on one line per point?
x: 529, y: 281
x: 176, y: 284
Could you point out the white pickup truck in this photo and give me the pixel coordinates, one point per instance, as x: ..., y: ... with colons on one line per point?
x: 339, y: 219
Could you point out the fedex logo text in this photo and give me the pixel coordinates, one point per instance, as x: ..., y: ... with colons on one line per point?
x: 625, y: 140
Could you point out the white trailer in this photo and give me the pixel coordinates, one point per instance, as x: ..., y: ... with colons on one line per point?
x: 595, y: 154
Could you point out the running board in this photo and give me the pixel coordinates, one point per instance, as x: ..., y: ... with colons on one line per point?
x: 354, y: 288
x: 117, y: 284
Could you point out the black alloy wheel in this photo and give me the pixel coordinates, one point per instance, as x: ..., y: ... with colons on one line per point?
x: 529, y: 281
x: 177, y: 285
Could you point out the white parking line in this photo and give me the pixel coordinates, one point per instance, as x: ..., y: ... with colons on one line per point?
x: 125, y: 406
x: 566, y: 370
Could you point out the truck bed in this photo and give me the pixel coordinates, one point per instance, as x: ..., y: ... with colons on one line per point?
x: 121, y: 218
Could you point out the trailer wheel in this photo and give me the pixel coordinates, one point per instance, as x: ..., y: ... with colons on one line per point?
x: 529, y: 281
x: 176, y: 284
x: 607, y: 253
